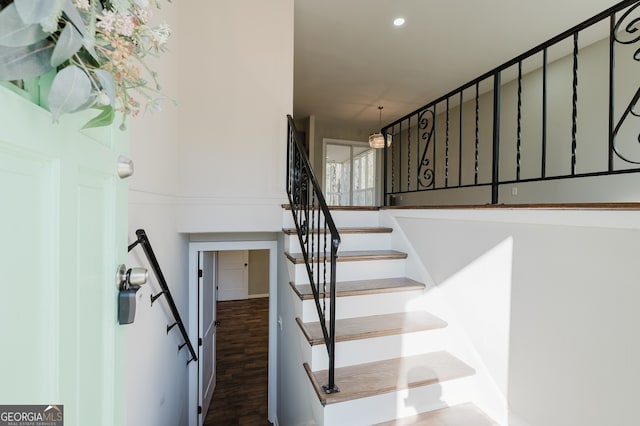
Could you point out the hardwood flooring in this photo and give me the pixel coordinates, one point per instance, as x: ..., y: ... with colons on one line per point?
x: 240, y: 397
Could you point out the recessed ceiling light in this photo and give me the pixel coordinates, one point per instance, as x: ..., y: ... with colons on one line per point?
x: 398, y: 22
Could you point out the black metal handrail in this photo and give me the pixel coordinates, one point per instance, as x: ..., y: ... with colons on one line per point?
x: 143, y: 240
x: 439, y: 146
x: 316, y: 229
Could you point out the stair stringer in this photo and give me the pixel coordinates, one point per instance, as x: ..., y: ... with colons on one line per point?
x: 486, y: 393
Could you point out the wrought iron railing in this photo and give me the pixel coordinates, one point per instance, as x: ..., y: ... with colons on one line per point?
x: 537, y: 117
x: 318, y: 237
x: 143, y: 240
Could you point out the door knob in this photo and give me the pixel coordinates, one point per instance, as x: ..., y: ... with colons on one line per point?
x: 132, y: 277
x: 128, y: 282
x: 125, y: 167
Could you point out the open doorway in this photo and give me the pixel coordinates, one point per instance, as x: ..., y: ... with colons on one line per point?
x: 202, y: 289
x: 350, y: 177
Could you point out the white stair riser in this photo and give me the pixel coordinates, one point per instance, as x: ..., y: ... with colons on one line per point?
x: 352, y: 271
x: 380, y: 348
x: 342, y: 219
x: 404, y: 403
x: 361, y: 305
x: 348, y: 242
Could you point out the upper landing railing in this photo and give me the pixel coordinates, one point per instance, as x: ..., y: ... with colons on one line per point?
x: 564, y: 109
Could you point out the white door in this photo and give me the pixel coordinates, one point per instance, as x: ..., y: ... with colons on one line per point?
x: 207, y: 327
x: 233, y: 275
x: 63, y: 228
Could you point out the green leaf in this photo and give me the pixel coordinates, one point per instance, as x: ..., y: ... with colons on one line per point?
x: 16, y: 33
x: 74, y: 17
x: 68, y: 44
x: 107, y: 83
x: 18, y: 63
x: 34, y: 11
x: 105, y: 118
x: 70, y: 90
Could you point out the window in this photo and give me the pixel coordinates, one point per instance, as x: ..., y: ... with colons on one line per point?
x: 350, y: 174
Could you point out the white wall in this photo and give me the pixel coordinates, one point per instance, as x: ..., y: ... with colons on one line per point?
x: 156, y: 371
x: 214, y: 163
x: 567, y: 280
x: 233, y: 108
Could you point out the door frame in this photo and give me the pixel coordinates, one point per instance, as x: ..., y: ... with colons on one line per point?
x: 194, y: 248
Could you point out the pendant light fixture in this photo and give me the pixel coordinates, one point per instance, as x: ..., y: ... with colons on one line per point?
x: 376, y: 140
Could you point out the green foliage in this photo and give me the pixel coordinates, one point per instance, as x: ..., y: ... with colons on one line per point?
x: 17, y: 33
x: 34, y: 11
x: 105, y: 118
x: 96, y: 50
x: 68, y: 44
x: 70, y: 91
x: 18, y: 63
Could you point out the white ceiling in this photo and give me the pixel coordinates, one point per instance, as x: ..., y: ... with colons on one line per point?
x: 349, y: 58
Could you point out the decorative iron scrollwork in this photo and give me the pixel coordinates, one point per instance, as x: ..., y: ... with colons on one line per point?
x: 426, y: 124
x: 627, y: 31
x: 631, y: 29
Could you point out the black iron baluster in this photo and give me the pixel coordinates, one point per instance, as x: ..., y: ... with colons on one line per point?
x: 460, y: 139
x: 384, y: 169
x: 574, y: 104
x: 446, y: 150
x: 543, y: 167
x: 409, y: 153
x: 435, y: 140
x: 519, y: 125
x: 418, y: 159
x: 393, y: 162
x: 476, y: 155
x: 313, y: 241
x: 400, y: 157
x: 496, y: 137
x: 318, y: 260
x: 324, y: 270
x: 612, y: 25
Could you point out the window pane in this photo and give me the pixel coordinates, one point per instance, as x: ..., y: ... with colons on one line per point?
x: 341, y: 188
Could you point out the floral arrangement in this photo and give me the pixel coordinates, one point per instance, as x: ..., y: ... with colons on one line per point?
x: 96, y: 48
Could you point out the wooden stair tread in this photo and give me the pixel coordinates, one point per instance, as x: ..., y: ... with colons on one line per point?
x: 344, y: 208
x: 361, y: 287
x: 464, y: 414
x: 373, y: 326
x: 354, y: 256
x: 362, y: 230
x: 375, y: 378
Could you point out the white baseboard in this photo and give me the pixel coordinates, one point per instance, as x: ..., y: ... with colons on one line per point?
x: 258, y: 296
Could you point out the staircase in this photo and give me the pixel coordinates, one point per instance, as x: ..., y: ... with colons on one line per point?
x: 394, y: 364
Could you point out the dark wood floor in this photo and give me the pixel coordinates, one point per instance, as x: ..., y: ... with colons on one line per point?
x: 240, y: 397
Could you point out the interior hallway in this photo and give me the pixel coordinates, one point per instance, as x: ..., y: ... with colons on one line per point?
x: 240, y: 396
